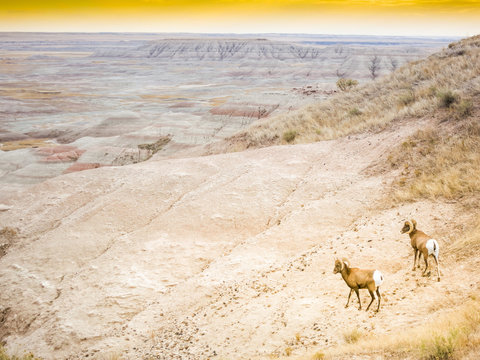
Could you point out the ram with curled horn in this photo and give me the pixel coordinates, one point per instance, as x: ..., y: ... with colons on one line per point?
x: 422, y: 244
x: 359, y: 279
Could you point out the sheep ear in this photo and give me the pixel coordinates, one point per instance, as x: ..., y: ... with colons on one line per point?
x: 414, y: 223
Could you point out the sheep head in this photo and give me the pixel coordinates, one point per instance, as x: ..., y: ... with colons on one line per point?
x: 338, y: 266
x: 408, y: 227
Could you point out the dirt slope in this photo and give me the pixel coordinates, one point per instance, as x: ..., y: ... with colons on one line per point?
x: 226, y: 256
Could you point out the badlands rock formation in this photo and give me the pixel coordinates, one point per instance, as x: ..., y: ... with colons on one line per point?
x: 106, y: 94
x: 222, y: 49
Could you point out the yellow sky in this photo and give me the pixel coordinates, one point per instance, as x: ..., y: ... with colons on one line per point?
x: 383, y: 17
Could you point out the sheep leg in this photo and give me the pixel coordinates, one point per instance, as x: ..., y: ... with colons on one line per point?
x: 414, y: 258
x: 378, y: 294
x: 373, y: 298
x: 419, y: 256
x: 358, y: 296
x: 348, y: 300
x: 438, y: 267
x: 426, y: 265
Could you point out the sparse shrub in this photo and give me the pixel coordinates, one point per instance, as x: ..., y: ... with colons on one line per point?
x: 407, y: 99
x: 441, y: 347
x: 318, y: 356
x: 288, y: 351
x: 346, y: 84
x: 156, y: 146
x: 446, y: 98
x: 354, y: 112
x: 464, y: 109
x: 8, y: 232
x: 290, y: 135
x: 298, y: 337
x: 432, y: 90
x: 26, y: 356
x: 408, y: 144
x: 351, y: 337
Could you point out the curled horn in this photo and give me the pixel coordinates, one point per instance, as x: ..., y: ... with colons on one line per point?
x: 410, y: 225
x: 414, y: 224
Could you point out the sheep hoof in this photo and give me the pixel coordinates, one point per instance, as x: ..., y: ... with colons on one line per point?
x: 346, y: 306
x: 438, y: 279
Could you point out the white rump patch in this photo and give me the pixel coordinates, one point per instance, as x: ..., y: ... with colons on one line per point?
x: 432, y: 247
x: 378, y: 278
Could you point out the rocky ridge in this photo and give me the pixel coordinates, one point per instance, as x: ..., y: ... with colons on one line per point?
x: 220, y: 49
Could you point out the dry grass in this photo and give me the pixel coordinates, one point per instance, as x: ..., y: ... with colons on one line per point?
x: 155, y: 147
x: 413, y: 90
x: 23, y: 144
x: 352, y: 336
x: 289, y: 135
x: 469, y: 243
x: 5, y: 356
x: 8, y: 233
x: 439, y: 162
x: 346, y: 84
x: 453, y: 335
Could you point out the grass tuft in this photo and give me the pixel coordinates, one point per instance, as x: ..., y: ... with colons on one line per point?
x: 26, y: 356
x: 318, y: 356
x: 354, y: 112
x: 156, y: 146
x: 447, y: 98
x: 352, y: 336
x: 290, y: 135
x: 407, y: 98
x: 8, y: 232
x: 346, y: 84
x: 464, y: 109
x: 440, y: 346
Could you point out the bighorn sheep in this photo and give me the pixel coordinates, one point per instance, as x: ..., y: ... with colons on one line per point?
x: 422, y: 244
x: 359, y: 279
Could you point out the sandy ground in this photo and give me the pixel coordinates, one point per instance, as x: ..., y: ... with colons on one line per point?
x: 226, y: 256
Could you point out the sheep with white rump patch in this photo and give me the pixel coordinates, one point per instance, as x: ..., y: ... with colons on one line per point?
x: 359, y: 279
x: 422, y: 244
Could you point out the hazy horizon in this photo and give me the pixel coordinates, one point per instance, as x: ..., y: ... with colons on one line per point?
x: 242, y: 34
